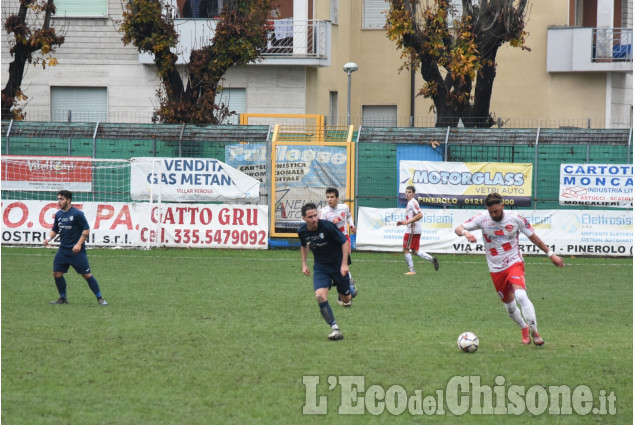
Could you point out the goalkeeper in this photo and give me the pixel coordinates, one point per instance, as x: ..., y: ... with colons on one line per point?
x: 73, y: 229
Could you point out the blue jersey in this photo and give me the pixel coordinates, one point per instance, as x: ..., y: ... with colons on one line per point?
x: 70, y: 225
x: 325, y: 242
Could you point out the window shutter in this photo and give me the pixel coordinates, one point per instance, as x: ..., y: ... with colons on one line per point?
x: 72, y: 8
x: 373, y: 13
x: 236, y: 100
x: 79, y: 104
x: 379, y: 116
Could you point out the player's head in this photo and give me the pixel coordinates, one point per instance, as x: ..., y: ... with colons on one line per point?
x: 332, y: 196
x: 494, y: 204
x: 310, y: 215
x: 64, y: 199
x: 410, y: 192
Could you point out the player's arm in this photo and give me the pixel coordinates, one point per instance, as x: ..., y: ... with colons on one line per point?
x: 462, y: 231
x: 345, y: 250
x: 556, y: 260
x: 417, y: 217
x: 350, y: 221
x: 304, y: 250
x: 52, y: 235
x: 82, y: 238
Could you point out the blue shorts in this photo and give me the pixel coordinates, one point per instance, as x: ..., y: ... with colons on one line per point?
x: 327, y: 277
x: 65, y: 258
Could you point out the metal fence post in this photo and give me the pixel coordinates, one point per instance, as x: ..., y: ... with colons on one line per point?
x: 447, y: 138
x: 630, y: 152
x: 180, y: 140
x: 9, y: 136
x: 536, y: 167
x: 95, y: 140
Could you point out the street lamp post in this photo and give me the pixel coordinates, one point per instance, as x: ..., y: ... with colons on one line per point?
x: 349, y: 68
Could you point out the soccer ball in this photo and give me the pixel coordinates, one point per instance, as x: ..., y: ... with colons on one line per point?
x: 467, y: 342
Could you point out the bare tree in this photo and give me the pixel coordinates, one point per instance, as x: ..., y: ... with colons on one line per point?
x: 32, y: 33
x: 452, y: 57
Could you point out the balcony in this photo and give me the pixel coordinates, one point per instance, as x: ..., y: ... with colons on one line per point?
x: 292, y: 42
x: 575, y: 49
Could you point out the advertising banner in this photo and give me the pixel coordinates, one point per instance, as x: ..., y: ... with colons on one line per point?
x: 598, y: 185
x: 47, y: 173
x: 296, y: 166
x: 570, y: 232
x: 465, y: 183
x: 130, y: 225
x: 189, y: 179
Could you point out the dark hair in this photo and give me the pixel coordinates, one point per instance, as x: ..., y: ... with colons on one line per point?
x: 493, y: 199
x: 333, y: 190
x: 308, y: 206
x: 412, y: 188
x: 66, y: 194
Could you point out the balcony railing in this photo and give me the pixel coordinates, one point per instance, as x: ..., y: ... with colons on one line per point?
x: 300, y: 42
x: 580, y: 49
x: 612, y: 45
x: 291, y: 38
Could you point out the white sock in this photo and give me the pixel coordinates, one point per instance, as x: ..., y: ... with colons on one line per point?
x: 527, y: 308
x: 424, y: 255
x: 408, y: 257
x: 514, y: 314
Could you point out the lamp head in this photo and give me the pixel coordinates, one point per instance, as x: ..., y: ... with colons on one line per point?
x: 350, y: 67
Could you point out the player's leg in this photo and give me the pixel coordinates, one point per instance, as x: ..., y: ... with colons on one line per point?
x: 353, y: 287
x: 345, y: 290
x: 60, y: 266
x: 321, y: 286
x: 529, y: 312
x: 81, y: 266
x: 415, y: 247
x: 407, y: 240
x: 506, y: 294
x: 517, y: 281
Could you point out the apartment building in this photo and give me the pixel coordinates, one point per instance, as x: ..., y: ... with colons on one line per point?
x: 578, y: 72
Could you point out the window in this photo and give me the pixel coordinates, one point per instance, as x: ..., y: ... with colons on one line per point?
x: 332, y: 108
x: 200, y: 8
x: 374, y: 14
x: 81, y: 8
x: 79, y: 104
x: 379, y: 115
x: 236, y: 100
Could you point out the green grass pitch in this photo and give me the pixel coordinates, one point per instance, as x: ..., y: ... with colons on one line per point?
x: 228, y: 336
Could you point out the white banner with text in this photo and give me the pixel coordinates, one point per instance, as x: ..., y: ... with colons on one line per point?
x: 133, y: 225
x: 189, y: 179
x: 597, y: 185
x: 570, y: 232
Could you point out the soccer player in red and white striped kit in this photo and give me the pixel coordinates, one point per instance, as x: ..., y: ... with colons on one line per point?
x: 505, y: 261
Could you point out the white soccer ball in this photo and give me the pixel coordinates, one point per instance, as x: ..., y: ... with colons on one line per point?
x: 467, y: 342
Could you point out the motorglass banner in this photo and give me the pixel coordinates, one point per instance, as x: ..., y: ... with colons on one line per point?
x: 465, y: 183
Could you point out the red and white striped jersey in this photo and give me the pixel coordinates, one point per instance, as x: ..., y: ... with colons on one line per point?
x: 500, y: 238
x: 339, y: 216
x: 413, y: 209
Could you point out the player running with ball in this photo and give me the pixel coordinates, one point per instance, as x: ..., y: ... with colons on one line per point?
x: 506, y: 265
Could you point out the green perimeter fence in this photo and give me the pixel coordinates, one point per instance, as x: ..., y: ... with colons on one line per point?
x: 377, y: 151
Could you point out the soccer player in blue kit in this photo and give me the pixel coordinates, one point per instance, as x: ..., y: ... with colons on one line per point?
x: 73, y: 229
x: 330, y: 267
